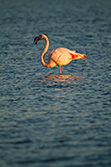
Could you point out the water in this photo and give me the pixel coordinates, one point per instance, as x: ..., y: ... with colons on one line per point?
x: 50, y: 120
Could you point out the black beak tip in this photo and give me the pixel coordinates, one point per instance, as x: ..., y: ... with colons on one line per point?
x: 35, y: 40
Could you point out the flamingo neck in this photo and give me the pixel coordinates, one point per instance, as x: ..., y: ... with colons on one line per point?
x: 44, y: 51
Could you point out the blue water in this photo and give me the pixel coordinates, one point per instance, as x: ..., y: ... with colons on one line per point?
x: 47, y: 120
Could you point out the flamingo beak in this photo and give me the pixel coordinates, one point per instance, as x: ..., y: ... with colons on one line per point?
x: 36, y: 39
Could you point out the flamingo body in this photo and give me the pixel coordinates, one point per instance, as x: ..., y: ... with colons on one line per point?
x: 57, y: 57
x: 62, y: 56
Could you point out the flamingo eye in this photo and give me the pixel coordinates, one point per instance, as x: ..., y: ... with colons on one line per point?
x: 40, y: 36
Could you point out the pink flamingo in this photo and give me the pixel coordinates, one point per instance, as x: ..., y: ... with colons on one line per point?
x: 57, y: 57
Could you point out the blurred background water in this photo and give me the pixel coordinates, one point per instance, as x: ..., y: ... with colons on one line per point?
x: 50, y: 120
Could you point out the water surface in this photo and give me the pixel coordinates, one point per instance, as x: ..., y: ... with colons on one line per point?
x: 47, y: 119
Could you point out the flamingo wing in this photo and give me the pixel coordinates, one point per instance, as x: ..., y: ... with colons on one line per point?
x: 61, y: 56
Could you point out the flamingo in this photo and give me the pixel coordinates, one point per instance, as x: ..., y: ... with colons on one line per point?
x: 57, y: 57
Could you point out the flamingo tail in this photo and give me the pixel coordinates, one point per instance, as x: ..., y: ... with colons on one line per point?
x: 78, y: 55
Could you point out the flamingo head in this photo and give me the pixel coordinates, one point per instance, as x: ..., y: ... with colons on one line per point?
x: 36, y: 39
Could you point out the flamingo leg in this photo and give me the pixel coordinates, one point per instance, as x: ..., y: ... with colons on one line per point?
x: 60, y: 73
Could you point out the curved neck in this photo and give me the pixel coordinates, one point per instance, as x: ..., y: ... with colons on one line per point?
x: 44, y: 51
